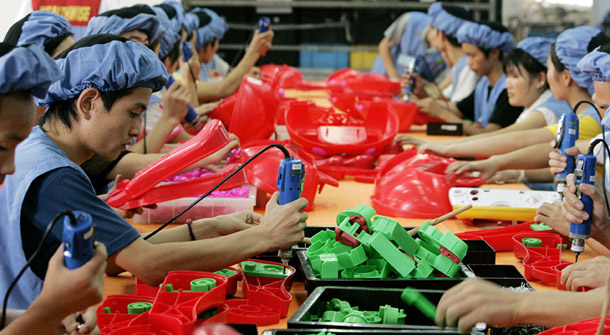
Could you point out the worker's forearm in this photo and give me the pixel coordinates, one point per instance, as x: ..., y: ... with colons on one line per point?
x: 157, y: 137
x: 532, y: 157
x: 555, y: 308
x: 501, y: 143
x: 543, y: 175
x: 202, y: 229
x: 35, y: 320
x: 130, y: 164
x: 386, y: 59
x: 228, y: 86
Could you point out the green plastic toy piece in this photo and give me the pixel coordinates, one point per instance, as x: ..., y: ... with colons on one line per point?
x: 107, y: 310
x: 392, y: 315
x: 540, y: 227
x: 412, y: 297
x: 372, y: 317
x: 203, y: 284
x: 355, y: 317
x: 138, y: 307
x: 333, y: 316
x: 339, y: 305
x: 323, y: 236
x: 394, y: 232
x: 355, y: 257
x: 400, y: 262
x: 365, y: 271
x: 264, y: 270
x: 226, y: 272
x: 436, y: 260
x: 367, y: 212
x: 531, y: 242
x: 423, y: 269
x: 382, y: 266
x: 448, y: 240
x: 562, y: 246
x: 329, y: 266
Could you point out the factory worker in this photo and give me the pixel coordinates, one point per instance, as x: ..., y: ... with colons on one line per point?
x: 568, y: 83
x: 208, y: 37
x: 25, y: 72
x: 49, y: 31
x: 446, y: 20
x: 137, y: 23
x: 96, y: 108
x: 409, y: 37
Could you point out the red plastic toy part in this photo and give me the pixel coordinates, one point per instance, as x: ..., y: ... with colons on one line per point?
x: 210, y: 139
x: 322, y: 132
x: 416, y: 186
x: 586, y: 327
x: 356, y: 80
x: 262, y: 172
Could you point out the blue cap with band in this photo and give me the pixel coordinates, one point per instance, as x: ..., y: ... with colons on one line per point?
x: 485, y: 37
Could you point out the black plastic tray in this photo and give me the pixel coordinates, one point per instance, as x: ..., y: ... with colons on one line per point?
x: 364, y: 331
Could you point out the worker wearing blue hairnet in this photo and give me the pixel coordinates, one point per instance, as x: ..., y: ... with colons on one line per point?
x: 49, y: 31
x: 137, y: 23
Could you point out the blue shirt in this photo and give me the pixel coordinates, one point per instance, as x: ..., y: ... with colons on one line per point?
x: 66, y: 188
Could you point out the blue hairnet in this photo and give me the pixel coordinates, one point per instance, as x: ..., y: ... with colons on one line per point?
x: 112, y: 65
x: 27, y: 68
x: 41, y: 27
x: 178, y: 20
x: 537, y: 47
x: 445, y: 21
x: 170, y: 37
x: 596, y: 64
x: 215, y: 29
x: 484, y: 37
x: 570, y: 47
x: 191, y: 22
x: 117, y: 25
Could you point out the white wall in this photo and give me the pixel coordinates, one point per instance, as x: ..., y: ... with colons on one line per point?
x: 9, y: 9
x: 598, y: 11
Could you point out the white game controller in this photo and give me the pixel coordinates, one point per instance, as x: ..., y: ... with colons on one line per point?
x: 499, y: 204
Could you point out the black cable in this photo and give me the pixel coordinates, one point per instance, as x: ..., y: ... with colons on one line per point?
x: 238, y: 54
x: 281, y: 147
x: 606, y: 151
x: 31, y: 259
x: 144, y: 131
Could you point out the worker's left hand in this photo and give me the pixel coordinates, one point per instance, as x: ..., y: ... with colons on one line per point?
x: 70, y: 325
x: 124, y: 213
x: 407, y: 139
x: 261, y: 43
x: 550, y: 213
x: 592, y: 273
x: 487, y: 168
x: 474, y: 301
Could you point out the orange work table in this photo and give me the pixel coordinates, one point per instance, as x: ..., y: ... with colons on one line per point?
x: 348, y: 195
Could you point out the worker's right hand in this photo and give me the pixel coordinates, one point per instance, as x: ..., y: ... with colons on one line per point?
x: 572, y: 207
x: 284, y: 224
x: 591, y: 273
x: 176, y: 100
x: 70, y: 291
x: 261, y: 43
x: 407, y: 139
x: 487, y: 168
x: 557, y: 161
x: 550, y: 213
x: 436, y: 147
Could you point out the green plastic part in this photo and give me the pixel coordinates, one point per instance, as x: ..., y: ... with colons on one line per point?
x: 562, y: 246
x: 372, y: 317
x: 447, y: 240
x: 264, y: 270
x: 138, y: 307
x: 329, y: 266
x: 413, y: 297
x: 323, y: 236
x: 540, y: 227
x: 400, y: 262
x: 349, y: 228
x: 367, y: 212
x: 382, y: 267
x: 332, y: 316
x: 339, y: 305
x: 394, y: 232
x: 355, y: 317
x: 531, y: 242
x: 226, y: 272
x: 392, y: 315
x: 203, y: 284
x: 107, y: 310
x: 423, y: 269
x: 365, y: 271
x: 433, y: 257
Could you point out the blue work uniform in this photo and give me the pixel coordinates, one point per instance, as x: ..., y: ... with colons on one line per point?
x: 485, y: 101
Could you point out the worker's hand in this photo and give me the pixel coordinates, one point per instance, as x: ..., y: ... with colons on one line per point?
x: 435, y: 147
x: 486, y: 168
x: 232, y: 223
x: 592, y: 273
x: 68, y: 291
x: 550, y: 213
x: 557, y: 161
x: 124, y: 213
x: 474, y: 301
x: 176, y: 100
x: 192, y: 65
x: 506, y: 176
x: 222, y: 154
x: 283, y: 225
x: 261, y: 43
x: 407, y: 139
x: 87, y: 320
x: 255, y: 72
x: 203, y: 110
x: 418, y: 89
x: 572, y: 209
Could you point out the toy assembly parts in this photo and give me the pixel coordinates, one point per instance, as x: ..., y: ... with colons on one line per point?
x: 187, y: 299
x: 367, y: 246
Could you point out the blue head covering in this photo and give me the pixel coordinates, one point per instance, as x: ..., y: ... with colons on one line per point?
x: 39, y: 28
x: 445, y: 21
x: 108, y: 63
x: 175, y: 13
x: 191, y: 22
x: 597, y: 63
x: 26, y: 68
x: 484, y: 37
x: 211, y: 26
x: 169, y: 37
x: 116, y: 22
x: 537, y: 47
x: 571, y: 46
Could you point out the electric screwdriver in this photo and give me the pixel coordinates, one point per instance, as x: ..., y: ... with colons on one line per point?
x: 264, y: 24
x: 584, y: 173
x: 411, y: 68
x: 78, y: 240
x: 191, y: 115
x: 290, y: 183
x: 567, y: 134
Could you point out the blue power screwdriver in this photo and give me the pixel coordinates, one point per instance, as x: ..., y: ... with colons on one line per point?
x: 187, y: 52
x: 567, y: 134
x: 191, y: 115
x: 290, y: 179
x: 78, y: 240
x: 264, y: 24
x: 411, y: 67
x: 584, y: 173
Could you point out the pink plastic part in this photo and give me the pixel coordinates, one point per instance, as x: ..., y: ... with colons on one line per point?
x: 416, y: 186
x: 322, y: 132
x: 262, y: 172
x: 210, y: 139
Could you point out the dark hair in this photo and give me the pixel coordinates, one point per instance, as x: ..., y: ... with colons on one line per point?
x: 52, y: 44
x: 23, y: 95
x: 65, y: 111
x: 14, y: 32
x: 173, y: 54
x: 91, y: 40
x: 557, y: 64
x: 204, y: 19
x: 461, y: 13
x: 6, y: 48
x: 168, y: 9
x: 597, y: 40
x: 212, y: 42
x: 605, y: 48
x: 497, y: 27
x: 189, y: 36
x: 520, y: 59
x: 129, y: 12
